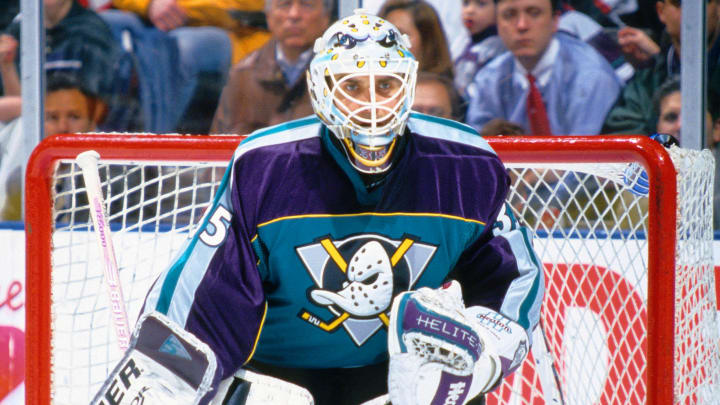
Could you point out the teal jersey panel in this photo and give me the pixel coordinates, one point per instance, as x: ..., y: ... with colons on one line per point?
x: 332, y: 280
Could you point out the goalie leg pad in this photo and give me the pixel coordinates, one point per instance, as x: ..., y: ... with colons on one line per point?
x: 250, y: 388
x: 164, y: 364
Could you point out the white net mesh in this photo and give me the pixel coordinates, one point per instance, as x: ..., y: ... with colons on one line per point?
x: 592, y: 241
x: 152, y: 209
x: 590, y: 234
x: 696, y: 345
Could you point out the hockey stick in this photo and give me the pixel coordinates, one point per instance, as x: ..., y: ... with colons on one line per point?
x: 88, y: 162
x: 545, y: 368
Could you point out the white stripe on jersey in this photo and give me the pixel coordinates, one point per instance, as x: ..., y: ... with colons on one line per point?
x: 440, y: 128
x: 518, y: 292
x: 279, y: 134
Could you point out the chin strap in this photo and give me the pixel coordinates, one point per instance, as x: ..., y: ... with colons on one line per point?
x: 364, y: 164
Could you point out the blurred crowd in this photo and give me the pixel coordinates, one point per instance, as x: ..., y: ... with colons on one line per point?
x: 557, y: 67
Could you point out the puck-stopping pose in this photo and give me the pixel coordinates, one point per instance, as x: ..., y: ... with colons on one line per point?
x: 362, y: 251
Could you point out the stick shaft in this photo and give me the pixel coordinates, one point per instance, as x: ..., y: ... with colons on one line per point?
x: 545, y: 368
x: 88, y: 162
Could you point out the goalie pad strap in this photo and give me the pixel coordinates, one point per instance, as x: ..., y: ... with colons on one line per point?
x: 250, y: 388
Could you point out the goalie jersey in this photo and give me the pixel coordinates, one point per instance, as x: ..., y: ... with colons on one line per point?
x: 297, y: 261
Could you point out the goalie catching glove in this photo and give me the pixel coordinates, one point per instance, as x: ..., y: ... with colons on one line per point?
x: 444, y: 353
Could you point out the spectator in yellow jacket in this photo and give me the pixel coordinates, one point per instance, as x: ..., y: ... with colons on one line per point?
x: 175, y: 41
x: 242, y: 20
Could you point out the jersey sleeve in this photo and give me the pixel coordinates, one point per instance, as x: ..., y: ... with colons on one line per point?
x: 213, y: 288
x: 501, y: 271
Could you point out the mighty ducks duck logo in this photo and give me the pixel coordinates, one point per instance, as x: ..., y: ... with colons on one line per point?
x: 356, y: 279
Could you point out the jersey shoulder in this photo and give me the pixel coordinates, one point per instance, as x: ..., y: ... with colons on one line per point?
x: 445, y: 130
x: 278, y: 135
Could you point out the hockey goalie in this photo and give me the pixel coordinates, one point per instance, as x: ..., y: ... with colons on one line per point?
x: 364, y: 253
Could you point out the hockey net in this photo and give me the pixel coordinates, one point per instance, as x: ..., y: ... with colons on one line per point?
x: 629, y: 315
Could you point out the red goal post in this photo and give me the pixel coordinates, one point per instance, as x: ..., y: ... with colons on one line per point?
x: 570, y: 189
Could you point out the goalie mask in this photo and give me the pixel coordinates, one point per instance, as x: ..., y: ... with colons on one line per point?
x: 362, y: 85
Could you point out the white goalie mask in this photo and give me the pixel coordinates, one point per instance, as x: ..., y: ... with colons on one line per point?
x: 362, y: 85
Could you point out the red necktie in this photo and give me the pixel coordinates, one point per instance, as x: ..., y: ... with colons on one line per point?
x: 539, y: 123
